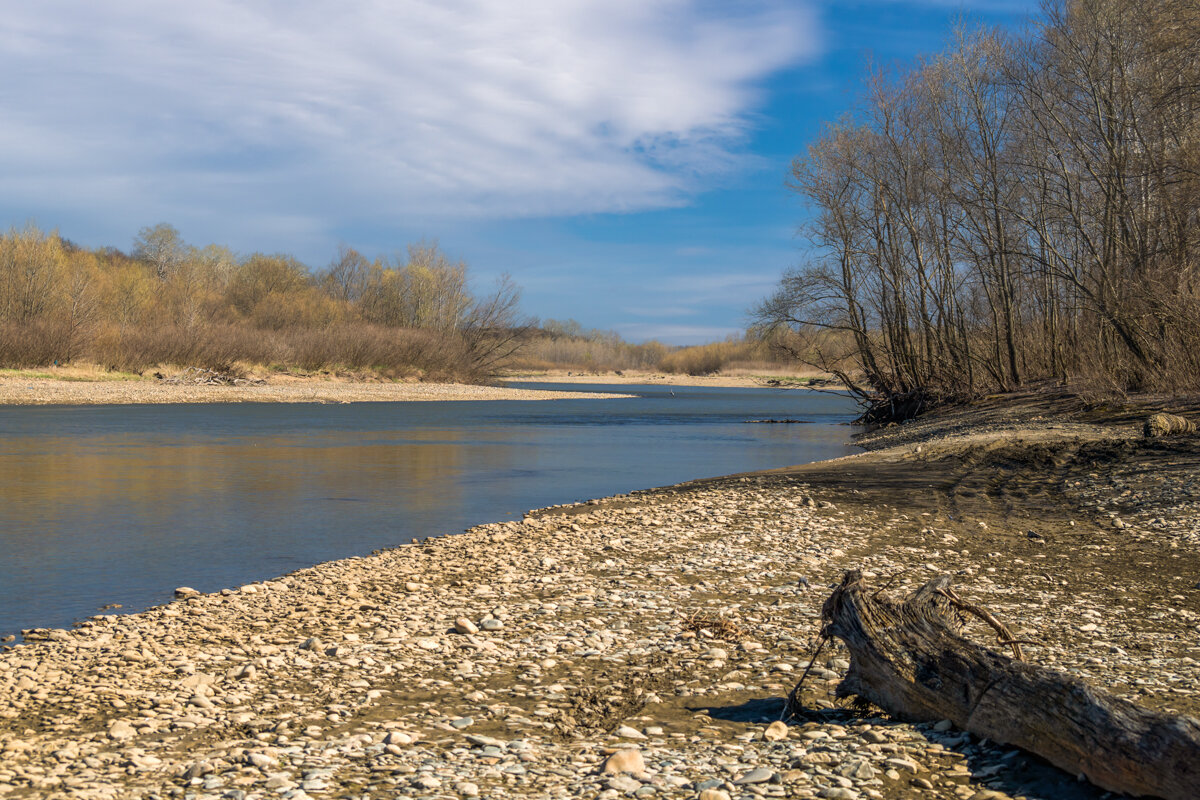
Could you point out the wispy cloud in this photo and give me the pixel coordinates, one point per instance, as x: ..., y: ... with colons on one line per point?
x: 740, y: 289
x: 660, y: 312
x: 675, y: 334
x: 307, y: 112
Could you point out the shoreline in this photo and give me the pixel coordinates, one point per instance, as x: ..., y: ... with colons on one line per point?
x: 512, y: 660
x: 15, y: 391
x: 753, y: 381
x: 92, y: 386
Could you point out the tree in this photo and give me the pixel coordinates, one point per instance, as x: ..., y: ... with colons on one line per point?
x: 347, y: 276
x: 260, y: 276
x: 438, y: 295
x: 1011, y: 210
x: 79, y: 300
x: 160, y: 246
x: 494, y: 328
x: 425, y: 290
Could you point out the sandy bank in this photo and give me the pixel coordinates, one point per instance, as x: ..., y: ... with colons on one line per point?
x: 92, y: 386
x: 48, y: 391
x: 511, y: 660
x: 642, y: 378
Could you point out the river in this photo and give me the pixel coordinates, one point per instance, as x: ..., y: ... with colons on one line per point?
x: 103, y: 505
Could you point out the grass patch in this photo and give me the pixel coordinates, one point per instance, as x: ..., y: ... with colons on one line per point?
x: 76, y: 375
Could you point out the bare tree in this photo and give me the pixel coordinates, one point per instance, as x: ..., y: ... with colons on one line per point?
x: 347, y: 276
x: 160, y: 246
x: 494, y: 328
x: 1011, y: 210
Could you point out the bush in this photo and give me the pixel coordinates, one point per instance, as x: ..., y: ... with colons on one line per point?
x: 709, y: 359
x: 215, y: 347
x: 34, y: 344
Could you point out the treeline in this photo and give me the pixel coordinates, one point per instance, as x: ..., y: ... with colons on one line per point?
x: 1017, y: 209
x: 565, y: 344
x: 168, y: 303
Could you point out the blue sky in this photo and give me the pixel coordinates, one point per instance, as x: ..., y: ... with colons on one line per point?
x: 623, y: 160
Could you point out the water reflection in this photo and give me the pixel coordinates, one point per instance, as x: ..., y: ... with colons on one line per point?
x: 121, y: 504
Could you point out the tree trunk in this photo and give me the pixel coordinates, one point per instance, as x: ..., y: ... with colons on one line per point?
x: 909, y: 659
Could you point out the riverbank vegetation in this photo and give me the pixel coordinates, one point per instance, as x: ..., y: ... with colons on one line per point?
x: 565, y: 344
x: 1017, y: 209
x: 167, y: 303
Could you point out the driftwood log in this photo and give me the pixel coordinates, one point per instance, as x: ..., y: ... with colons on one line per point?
x: 200, y: 376
x: 909, y: 659
x: 1167, y: 425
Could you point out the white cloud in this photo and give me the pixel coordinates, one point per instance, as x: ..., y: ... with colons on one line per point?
x: 313, y: 112
x: 736, y: 289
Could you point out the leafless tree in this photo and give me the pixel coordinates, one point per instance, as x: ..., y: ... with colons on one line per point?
x: 1013, y: 209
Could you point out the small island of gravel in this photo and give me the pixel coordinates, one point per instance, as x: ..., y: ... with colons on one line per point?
x: 95, y: 388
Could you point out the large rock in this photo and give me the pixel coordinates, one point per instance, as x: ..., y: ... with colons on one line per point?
x: 624, y: 761
x: 627, y: 732
x: 760, y: 775
x: 776, y: 731
x: 121, y: 730
x: 623, y: 784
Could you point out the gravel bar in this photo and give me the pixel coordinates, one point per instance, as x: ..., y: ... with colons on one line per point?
x: 46, y: 391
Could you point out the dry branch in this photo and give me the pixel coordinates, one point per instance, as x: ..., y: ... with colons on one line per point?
x: 717, y: 627
x: 909, y: 659
x: 198, y: 376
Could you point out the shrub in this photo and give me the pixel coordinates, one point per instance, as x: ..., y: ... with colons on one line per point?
x: 34, y: 344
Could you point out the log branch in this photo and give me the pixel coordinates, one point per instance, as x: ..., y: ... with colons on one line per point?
x: 1003, y: 634
x: 909, y: 659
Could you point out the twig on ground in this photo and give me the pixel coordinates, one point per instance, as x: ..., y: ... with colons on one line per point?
x: 793, y: 707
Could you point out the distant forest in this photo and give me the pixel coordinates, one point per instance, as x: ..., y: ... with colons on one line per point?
x: 167, y: 304
x: 1018, y: 209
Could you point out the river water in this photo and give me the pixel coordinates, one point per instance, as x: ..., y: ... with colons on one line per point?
x: 121, y: 504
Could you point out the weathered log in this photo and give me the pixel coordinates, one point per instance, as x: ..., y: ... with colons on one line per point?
x: 909, y: 659
x: 1167, y: 425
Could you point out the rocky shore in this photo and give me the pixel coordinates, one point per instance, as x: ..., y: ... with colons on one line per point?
x: 638, y: 646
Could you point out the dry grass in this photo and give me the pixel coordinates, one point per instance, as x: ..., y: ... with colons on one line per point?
x: 71, y: 373
x: 609, y: 353
x: 606, y: 353
x: 348, y: 347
